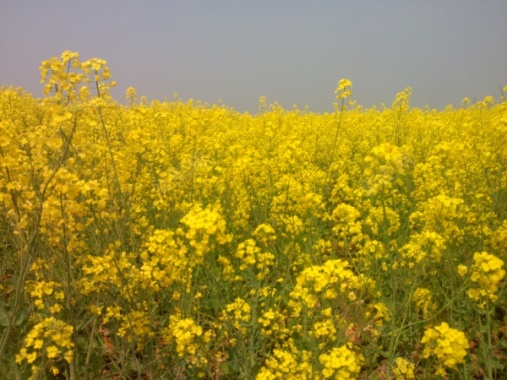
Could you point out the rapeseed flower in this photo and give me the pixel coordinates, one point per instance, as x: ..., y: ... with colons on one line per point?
x: 238, y: 313
x: 287, y: 363
x: 402, y: 369
x: 487, y: 272
x: 51, y: 339
x: 343, y: 89
x: 139, y: 213
x: 341, y: 363
x: 188, y: 338
x: 449, y: 346
x: 424, y: 302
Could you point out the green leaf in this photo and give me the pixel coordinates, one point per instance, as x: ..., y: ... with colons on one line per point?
x: 22, y: 316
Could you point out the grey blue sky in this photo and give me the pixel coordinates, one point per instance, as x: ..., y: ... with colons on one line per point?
x: 293, y: 52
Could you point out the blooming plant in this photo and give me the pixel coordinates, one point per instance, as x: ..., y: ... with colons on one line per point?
x: 448, y: 345
x: 487, y: 273
x: 178, y: 239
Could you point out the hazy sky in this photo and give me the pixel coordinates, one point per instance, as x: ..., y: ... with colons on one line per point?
x: 293, y: 52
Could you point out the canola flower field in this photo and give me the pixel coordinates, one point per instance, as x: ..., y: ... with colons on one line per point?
x: 180, y: 240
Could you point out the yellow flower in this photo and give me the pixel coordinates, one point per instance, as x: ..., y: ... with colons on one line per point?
x: 462, y: 270
x: 30, y: 357
x: 449, y: 346
x: 69, y: 356
x: 379, y: 313
x: 424, y: 302
x: 188, y: 337
x: 402, y: 369
x: 344, y: 89
x: 287, y: 363
x: 52, y: 352
x: 238, y: 313
x: 48, y: 338
x: 341, y: 363
x: 487, y: 273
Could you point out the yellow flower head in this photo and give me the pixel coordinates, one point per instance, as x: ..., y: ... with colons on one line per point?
x: 487, y: 273
x: 344, y: 89
x: 449, y: 346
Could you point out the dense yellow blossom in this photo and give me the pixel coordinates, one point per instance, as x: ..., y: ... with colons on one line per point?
x: 486, y: 272
x: 449, y: 346
x: 188, y: 338
x: 329, y: 280
x: 179, y: 239
x: 252, y: 256
x: 402, y: 369
x: 341, y: 363
x: 52, y: 339
x: 288, y: 363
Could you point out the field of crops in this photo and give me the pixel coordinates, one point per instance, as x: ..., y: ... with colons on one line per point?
x: 181, y: 240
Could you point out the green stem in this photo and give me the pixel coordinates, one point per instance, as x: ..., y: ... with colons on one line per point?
x: 334, y: 148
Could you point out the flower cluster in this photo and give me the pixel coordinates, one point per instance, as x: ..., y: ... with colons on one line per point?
x: 487, y: 273
x: 200, y: 227
x: 188, y: 337
x: 328, y: 281
x: 341, y: 363
x: 424, y: 303
x: 402, y: 369
x: 287, y: 363
x: 68, y: 77
x: 348, y: 228
x: 238, y: 313
x: 46, y: 295
x: 449, y: 346
x: 252, y: 256
x: 273, y: 324
x: 48, y: 341
x: 344, y: 89
x: 165, y: 260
